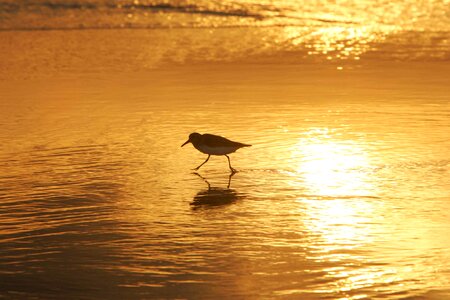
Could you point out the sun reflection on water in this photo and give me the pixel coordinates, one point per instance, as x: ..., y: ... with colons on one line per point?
x: 341, y: 42
x: 340, y: 223
x: 343, y: 231
x: 340, y: 210
x: 332, y: 168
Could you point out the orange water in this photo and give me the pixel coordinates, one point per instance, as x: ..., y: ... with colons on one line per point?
x: 343, y: 195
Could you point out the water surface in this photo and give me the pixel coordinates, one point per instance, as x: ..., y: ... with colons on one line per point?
x: 343, y: 195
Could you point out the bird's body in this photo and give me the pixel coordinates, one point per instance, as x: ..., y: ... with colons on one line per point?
x: 214, y: 145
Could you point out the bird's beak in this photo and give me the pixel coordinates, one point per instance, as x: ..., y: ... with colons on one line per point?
x: 185, y: 143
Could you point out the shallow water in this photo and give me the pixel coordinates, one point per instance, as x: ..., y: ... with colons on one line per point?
x: 343, y: 195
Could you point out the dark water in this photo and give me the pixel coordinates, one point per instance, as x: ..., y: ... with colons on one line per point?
x: 343, y: 195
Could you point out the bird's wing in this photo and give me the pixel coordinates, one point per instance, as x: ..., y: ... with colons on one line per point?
x: 212, y: 140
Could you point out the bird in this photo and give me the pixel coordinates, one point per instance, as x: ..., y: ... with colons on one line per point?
x: 214, y: 145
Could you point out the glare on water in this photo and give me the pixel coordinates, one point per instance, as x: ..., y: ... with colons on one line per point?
x: 332, y: 168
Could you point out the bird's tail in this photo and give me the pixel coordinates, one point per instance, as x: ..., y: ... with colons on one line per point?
x: 245, y: 145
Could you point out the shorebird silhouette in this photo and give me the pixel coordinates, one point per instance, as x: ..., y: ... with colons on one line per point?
x: 214, y: 145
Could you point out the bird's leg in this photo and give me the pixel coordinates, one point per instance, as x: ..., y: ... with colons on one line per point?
x: 229, y: 179
x: 229, y: 164
x: 202, y: 164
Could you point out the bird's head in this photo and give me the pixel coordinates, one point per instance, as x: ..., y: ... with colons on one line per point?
x: 193, y: 138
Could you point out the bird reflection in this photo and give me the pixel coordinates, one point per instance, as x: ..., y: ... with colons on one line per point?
x: 215, y: 196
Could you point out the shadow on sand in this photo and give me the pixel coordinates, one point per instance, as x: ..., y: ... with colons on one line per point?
x: 215, y: 196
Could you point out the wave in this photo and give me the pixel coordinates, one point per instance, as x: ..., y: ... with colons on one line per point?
x: 156, y: 7
x: 98, y: 14
x: 47, y: 15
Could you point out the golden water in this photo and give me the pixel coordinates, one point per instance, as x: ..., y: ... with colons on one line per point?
x: 343, y: 195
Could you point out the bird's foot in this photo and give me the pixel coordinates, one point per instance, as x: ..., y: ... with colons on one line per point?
x: 233, y: 170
